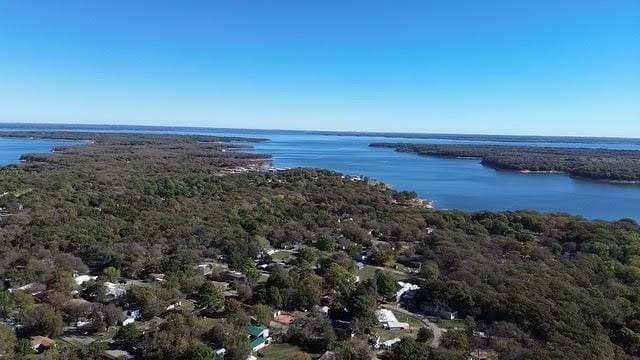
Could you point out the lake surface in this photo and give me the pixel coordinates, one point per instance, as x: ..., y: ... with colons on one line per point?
x: 450, y: 183
x: 12, y: 149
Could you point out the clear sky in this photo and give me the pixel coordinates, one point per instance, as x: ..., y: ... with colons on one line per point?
x: 549, y: 67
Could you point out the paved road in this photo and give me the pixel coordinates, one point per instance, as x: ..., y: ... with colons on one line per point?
x: 437, y: 332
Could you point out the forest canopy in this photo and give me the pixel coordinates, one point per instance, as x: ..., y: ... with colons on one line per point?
x: 539, y: 286
x: 598, y: 164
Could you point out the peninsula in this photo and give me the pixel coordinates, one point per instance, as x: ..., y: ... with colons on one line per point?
x: 596, y: 164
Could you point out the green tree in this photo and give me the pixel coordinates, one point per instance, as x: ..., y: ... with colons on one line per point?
x: 42, y: 320
x: 146, y: 298
x: 128, y: 335
x: 362, y: 303
x: 307, y: 255
x: 196, y: 350
x: 210, y: 297
x: 429, y: 272
x: 63, y: 282
x: 386, y: 285
x: 14, y: 301
x: 408, y: 349
x: 8, y: 342
x: 326, y: 243
x: 425, y: 334
x: 456, y: 340
x: 308, y: 289
x: 340, y: 279
x: 24, y: 348
x: 262, y: 313
x: 111, y: 274
x: 250, y: 270
x: 353, y: 349
x: 237, y: 344
x: 232, y: 306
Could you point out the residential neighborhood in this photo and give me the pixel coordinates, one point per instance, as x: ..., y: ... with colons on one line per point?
x: 115, y: 313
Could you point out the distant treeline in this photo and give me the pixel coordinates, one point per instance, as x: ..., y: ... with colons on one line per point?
x: 119, y: 137
x: 599, y: 164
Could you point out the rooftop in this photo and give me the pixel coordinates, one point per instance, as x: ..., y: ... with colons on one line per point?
x: 384, y: 315
x: 255, y: 330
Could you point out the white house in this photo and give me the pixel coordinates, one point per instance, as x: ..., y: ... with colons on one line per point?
x: 396, y: 326
x: 129, y: 316
x: 389, y: 343
x: 405, y: 288
x: 114, y: 289
x: 389, y: 320
x: 384, y: 316
x: 81, y: 279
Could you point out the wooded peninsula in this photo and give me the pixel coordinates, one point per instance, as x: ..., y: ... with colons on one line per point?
x: 596, y: 164
x: 182, y: 247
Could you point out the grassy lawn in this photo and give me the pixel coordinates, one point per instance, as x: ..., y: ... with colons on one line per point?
x: 403, y: 268
x: 187, y: 305
x: 368, y: 271
x: 278, y: 351
x: 107, y: 335
x: 452, y: 324
x: 284, y: 255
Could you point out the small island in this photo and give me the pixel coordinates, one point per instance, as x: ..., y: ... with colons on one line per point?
x: 621, y: 166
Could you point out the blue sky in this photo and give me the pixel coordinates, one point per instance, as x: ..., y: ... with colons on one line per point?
x: 508, y: 67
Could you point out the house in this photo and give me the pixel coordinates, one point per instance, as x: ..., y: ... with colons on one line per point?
x: 157, y: 277
x: 225, y: 289
x: 206, y: 268
x: 396, y: 326
x: 32, y: 288
x: 81, y: 279
x: 406, y: 288
x: 129, y: 317
x: 388, y: 320
x: 220, y: 352
x: 118, y: 354
x: 42, y: 343
x: 283, y: 318
x: 174, y: 305
x: 232, y: 275
x: 385, y: 316
x: 387, y: 345
x: 258, y: 337
x: 114, y: 289
x: 328, y: 355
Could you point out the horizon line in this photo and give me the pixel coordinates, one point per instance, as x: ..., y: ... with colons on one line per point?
x: 407, y: 134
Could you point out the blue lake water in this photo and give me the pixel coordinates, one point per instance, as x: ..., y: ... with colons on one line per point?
x: 12, y: 149
x: 450, y: 183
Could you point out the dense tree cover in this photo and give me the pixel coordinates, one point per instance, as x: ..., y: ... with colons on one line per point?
x: 601, y: 164
x: 8, y: 342
x: 408, y: 349
x: 540, y: 286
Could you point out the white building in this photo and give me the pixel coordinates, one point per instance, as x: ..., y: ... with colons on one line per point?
x: 405, y: 287
x: 114, y: 289
x: 389, y: 320
x: 81, y: 279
